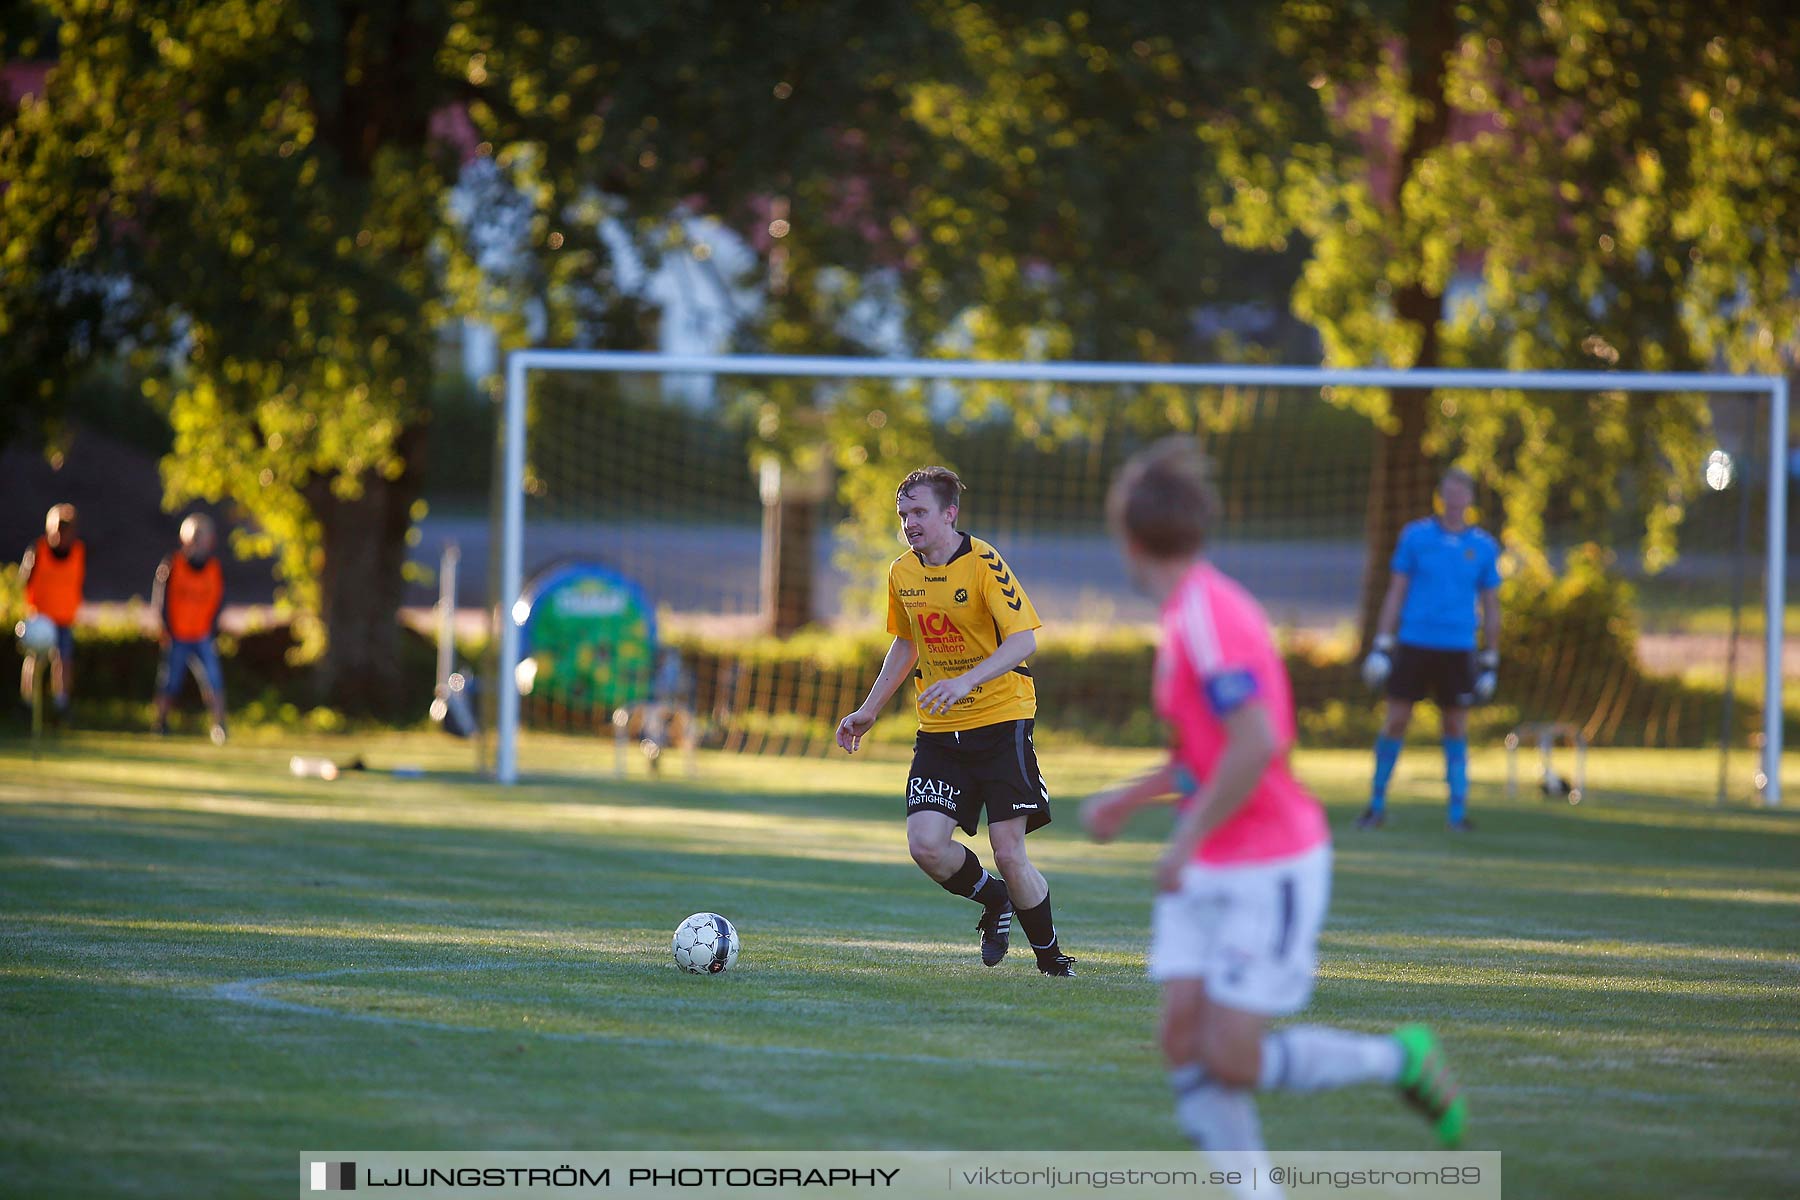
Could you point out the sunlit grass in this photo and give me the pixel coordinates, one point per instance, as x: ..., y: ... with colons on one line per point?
x: 207, y: 964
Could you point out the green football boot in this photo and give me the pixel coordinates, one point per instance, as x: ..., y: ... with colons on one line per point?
x: 1427, y: 1084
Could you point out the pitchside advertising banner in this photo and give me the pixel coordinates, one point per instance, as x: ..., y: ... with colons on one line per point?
x: 587, y: 637
x: 1342, y: 1175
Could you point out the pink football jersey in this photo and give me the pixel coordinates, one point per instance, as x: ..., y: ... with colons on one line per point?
x: 1217, y: 654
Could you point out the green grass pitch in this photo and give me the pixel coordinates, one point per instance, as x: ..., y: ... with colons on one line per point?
x: 207, y: 965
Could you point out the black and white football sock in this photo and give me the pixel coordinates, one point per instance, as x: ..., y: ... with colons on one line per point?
x: 1040, y: 929
x: 973, y: 882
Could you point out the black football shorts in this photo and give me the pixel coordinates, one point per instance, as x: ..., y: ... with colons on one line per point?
x: 995, y: 767
x: 1445, y: 677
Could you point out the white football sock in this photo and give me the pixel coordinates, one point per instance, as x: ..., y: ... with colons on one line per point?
x: 1221, y: 1119
x: 1314, y: 1058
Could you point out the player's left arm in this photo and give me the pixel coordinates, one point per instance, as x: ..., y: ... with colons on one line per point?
x: 943, y: 695
x: 1250, y: 746
x: 1487, y: 663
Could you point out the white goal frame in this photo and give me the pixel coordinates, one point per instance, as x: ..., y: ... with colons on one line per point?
x: 520, y: 363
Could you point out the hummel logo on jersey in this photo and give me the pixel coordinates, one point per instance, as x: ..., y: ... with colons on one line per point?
x: 1033, y: 807
x: 936, y: 578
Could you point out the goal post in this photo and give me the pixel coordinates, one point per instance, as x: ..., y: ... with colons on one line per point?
x: 521, y: 364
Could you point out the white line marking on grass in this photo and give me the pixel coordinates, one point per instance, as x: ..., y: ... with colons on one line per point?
x: 249, y: 992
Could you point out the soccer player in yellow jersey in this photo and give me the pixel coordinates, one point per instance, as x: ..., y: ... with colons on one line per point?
x: 963, y: 628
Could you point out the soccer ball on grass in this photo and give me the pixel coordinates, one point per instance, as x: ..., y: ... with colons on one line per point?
x: 705, y: 944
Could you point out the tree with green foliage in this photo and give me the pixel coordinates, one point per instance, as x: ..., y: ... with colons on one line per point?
x: 260, y: 203
x: 1592, y: 183
x: 273, y: 207
x: 257, y: 191
x: 1044, y: 199
x: 1619, y: 182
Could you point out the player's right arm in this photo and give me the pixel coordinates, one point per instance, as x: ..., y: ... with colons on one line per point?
x: 159, y: 597
x: 26, y: 564
x: 1380, y: 662
x: 1391, y: 604
x: 895, y: 668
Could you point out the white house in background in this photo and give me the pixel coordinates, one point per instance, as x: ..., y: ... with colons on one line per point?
x: 694, y: 287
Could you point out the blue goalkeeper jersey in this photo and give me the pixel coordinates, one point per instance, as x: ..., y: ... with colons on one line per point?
x: 1446, y: 573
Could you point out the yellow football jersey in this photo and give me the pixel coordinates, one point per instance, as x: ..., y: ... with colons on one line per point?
x: 957, y: 615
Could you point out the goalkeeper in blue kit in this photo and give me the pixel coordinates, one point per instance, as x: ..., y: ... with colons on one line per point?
x: 1444, y: 570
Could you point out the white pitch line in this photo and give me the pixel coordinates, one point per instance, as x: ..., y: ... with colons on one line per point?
x: 249, y: 992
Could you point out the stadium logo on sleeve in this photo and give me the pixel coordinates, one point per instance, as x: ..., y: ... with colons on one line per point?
x: 334, y: 1177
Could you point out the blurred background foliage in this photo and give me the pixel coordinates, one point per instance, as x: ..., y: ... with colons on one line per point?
x: 231, y: 232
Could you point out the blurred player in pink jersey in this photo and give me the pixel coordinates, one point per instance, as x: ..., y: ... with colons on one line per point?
x: 1243, y: 886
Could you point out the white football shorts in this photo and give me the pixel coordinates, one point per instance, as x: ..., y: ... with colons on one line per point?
x: 1251, y: 931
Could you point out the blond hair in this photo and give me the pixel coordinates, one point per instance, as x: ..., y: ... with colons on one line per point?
x: 942, y: 483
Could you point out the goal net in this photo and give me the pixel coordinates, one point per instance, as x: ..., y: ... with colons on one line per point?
x: 698, y: 548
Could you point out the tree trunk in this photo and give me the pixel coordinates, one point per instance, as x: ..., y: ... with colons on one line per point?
x: 361, y: 585
x: 1399, y: 491
x: 1404, y: 477
x: 791, y: 505
x: 787, y: 566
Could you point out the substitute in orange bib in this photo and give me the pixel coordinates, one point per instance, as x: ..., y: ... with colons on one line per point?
x: 190, y: 595
x: 963, y: 628
x: 54, y: 571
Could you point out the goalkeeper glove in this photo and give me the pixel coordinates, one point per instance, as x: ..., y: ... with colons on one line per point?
x: 1487, y: 677
x: 1379, y: 664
